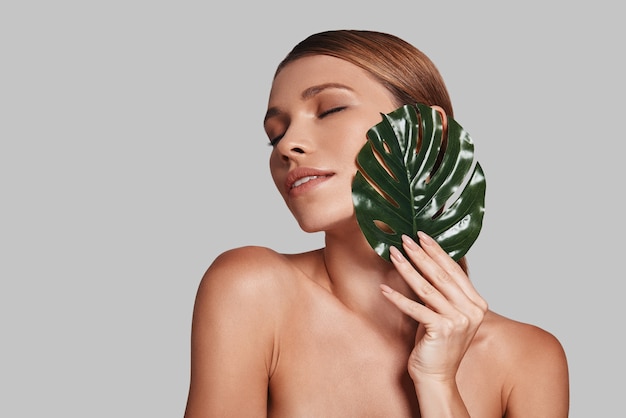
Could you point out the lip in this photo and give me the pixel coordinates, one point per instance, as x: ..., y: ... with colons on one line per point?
x: 301, y: 173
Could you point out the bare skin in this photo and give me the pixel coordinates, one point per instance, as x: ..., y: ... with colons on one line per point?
x: 337, y: 332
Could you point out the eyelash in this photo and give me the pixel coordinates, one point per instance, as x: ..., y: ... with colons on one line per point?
x: 274, y: 141
x: 333, y: 110
x: 322, y: 115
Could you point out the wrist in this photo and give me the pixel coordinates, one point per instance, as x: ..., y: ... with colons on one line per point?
x: 439, y: 397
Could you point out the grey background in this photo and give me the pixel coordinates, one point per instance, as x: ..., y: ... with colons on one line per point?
x: 132, y: 154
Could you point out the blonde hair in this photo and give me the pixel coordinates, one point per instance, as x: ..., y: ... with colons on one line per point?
x: 404, y: 70
x: 399, y: 66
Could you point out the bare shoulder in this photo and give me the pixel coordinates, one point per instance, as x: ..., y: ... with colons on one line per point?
x: 245, y: 263
x: 521, y: 341
x: 247, y: 274
x: 532, y: 363
x: 256, y: 279
x: 240, y: 302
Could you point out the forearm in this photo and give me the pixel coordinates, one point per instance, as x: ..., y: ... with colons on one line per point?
x: 440, y: 399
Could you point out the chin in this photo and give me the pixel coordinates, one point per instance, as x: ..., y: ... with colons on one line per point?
x: 326, y: 222
x: 323, y: 214
x: 311, y: 226
x: 310, y: 230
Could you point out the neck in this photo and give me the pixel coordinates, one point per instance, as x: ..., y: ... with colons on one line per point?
x: 356, y: 272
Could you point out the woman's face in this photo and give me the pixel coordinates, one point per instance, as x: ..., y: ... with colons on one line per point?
x: 320, y: 109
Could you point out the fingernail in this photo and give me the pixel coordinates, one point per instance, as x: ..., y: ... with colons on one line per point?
x: 424, y: 238
x: 386, y: 289
x: 396, y: 254
x: 408, y: 242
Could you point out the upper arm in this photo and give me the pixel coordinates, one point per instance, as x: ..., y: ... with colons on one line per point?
x: 540, y: 386
x: 231, y: 340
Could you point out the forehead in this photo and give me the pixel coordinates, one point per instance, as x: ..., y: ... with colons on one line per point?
x: 313, y: 70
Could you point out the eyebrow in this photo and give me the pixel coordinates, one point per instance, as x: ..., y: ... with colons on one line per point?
x: 307, y: 94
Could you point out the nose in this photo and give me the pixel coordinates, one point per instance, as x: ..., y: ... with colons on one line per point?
x: 293, y: 145
x: 291, y: 154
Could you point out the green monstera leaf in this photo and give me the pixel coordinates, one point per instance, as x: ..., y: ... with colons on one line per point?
x: 412, y: 179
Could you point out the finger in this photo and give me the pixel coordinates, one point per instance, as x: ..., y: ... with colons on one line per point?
x: 447, y: 264
x: 435, y: 274
x: 425, y: 291
x: 413, y: 309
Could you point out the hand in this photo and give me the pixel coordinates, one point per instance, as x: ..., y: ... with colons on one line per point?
x: 451, y: 312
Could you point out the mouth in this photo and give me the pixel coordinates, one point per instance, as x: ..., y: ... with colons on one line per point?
x: 301, y: 177
x: 304, y: 180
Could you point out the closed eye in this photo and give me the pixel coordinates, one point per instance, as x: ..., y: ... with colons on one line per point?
x: 322, y: 115
x: 330, y: 111
x: 275, y: 140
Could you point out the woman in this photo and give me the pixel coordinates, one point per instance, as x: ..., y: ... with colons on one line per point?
x: 338, y: 332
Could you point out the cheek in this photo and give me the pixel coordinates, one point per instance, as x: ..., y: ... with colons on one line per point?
x: 359, y: 128
x: 350, y: 148
x: 279, y: 180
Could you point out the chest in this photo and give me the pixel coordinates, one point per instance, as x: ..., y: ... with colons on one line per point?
x: 330, y: 363
x: 343, y: 376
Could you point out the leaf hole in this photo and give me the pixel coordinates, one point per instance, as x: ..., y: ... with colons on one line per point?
x: 377, y: 188
x: 420, y: 135
x: 384, y: 227
x: 381, y: 161
x: 387, y: 170
x: 438, y: 213
x: 444, y: 139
